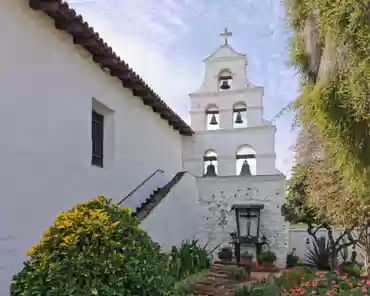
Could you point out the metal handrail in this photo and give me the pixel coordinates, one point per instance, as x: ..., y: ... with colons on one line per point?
x: 140, y: 185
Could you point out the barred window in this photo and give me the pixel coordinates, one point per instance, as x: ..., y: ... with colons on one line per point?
x: 97, y: 138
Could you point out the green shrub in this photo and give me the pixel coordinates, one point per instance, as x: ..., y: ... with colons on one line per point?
x: 96, y: 248
x: 300, y: 262
x: 188, y: 259
x: 294, y: 277
x: 267, y: 256
x: 226, y: 254
x: 352, y: 269
x: 238, y: 273
x: 267, y: 287
x: 186, y: 287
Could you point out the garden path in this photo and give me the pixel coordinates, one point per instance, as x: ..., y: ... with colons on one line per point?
x: 218, y: 284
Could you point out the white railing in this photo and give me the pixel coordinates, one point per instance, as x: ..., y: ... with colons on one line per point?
x: 142, y: 192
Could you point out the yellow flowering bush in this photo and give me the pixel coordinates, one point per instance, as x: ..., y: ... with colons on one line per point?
x: 96, y: 248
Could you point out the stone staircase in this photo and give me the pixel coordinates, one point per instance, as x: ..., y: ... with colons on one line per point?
x: 216, y: 284
x: 155, y: 198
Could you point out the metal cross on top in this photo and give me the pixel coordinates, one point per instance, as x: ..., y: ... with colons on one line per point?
x: 226, y: 34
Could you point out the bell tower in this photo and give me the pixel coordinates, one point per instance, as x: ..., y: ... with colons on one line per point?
x: 221, y: 99
x: 227, y: 117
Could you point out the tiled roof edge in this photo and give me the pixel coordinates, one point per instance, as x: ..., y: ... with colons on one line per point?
x: 66, y: 19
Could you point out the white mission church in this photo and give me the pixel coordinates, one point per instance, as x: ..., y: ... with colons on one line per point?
x: 77, y: 122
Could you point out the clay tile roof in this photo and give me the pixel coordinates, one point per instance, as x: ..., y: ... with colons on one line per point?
x: 68, y: 20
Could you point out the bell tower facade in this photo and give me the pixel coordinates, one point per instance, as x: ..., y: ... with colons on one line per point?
x: 231, y: 135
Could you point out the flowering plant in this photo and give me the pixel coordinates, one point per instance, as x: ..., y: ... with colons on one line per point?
x: 329, y: 284
x: 303, y: 281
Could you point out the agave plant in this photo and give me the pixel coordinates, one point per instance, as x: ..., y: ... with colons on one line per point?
x: 319, y: 254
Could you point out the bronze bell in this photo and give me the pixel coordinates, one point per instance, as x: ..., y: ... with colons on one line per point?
x: 213, y: 120
x: 246, y: 170
x: 211, y: 171
x: 238, y: 119
x: 224, y: 85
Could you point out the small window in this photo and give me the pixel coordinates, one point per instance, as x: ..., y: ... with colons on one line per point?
x: 97, y: 138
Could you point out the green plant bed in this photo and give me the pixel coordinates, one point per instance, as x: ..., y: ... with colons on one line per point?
x: 186, y: 287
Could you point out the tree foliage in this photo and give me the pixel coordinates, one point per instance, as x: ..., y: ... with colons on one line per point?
x: 325, y: 186
x: 330, y: 49
x: 297, y: 207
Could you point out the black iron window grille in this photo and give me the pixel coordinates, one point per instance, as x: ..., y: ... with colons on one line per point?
x: 97, y: 138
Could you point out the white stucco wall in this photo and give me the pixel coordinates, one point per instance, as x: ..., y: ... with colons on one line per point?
x: 298, y: 241
x: 178, y: 217
x: 193, y: 207
x: 222, y: 192
x: 46, y: 88
x: 226, y: 143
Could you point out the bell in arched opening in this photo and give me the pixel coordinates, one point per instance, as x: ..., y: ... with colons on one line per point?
x: 213, y: 120
x: 211, y: 171
x: 239, y: 119
x: 225, y: 85
x: 246, y: 170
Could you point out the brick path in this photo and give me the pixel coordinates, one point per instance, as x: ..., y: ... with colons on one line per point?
x: 217, y: 283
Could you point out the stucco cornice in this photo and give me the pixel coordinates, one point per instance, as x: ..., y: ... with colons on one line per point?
x: 236, y: 130
x: 235, y: 55
x: 223, y: 157
x: 200, y: 111
x: 259, y: 178
x: 247, y: 89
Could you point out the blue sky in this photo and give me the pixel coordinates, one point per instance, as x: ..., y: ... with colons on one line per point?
x: 165, y: 41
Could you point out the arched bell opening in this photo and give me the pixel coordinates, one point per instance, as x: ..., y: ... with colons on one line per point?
x: 240, y: 115
x: 225, y: 80
x: 210, y: 164
x: 246, y: 161
x: 212, y: 117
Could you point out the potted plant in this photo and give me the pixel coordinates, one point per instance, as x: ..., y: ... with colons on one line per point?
x: 246, y: 258
x: 292, y: 260
x: 267, y: 258
x: 226, y: 254
x: 233, y: 235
